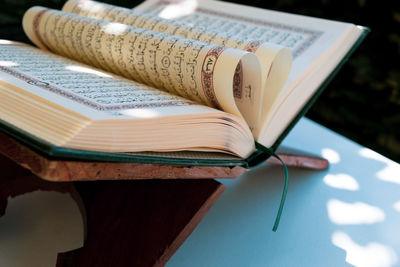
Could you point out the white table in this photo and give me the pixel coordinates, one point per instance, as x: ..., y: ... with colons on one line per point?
x: 348, y: 214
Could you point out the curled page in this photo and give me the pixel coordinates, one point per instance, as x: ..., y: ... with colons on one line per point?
x: 208, y: 74
x: 275, y: 59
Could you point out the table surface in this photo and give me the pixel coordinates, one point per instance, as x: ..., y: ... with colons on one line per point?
x: 347, y: 215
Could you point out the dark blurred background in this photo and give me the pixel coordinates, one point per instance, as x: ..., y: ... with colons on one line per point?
x: 363, y: 101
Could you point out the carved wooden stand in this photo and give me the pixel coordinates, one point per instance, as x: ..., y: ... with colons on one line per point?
x: 128, y: 223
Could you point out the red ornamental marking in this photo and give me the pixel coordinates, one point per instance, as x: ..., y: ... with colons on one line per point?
x: 36, y: 22
x: 238, y: 81
x: 207, y: 73
x: 252, y: 46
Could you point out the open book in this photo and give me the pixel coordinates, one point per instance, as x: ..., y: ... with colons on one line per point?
x: 167, y: 76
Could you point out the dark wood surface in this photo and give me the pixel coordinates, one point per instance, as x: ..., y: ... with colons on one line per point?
x: 143, y: 222
x: 300, y: 161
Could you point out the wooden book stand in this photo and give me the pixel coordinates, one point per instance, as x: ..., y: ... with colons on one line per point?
x: 128, y: 223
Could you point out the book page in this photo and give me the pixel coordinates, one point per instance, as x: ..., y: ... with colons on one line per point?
x: 317, y: 45
x: 81, y: 88
x: 275, y: 59
x: 205, y: 73
x: 305, y: 36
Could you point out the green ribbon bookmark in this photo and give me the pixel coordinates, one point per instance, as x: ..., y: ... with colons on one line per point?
x: 285, y: 187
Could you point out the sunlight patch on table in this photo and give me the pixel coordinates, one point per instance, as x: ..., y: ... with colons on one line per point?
x: 340, y: 212
x: 331, y: 155
x: 341, y: 181
x: 396, y: 206
x: 390, y: 173
x: 372, y: 255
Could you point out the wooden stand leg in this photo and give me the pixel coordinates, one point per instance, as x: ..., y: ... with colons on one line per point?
x: 128, y: 223
x: 140, y: 223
